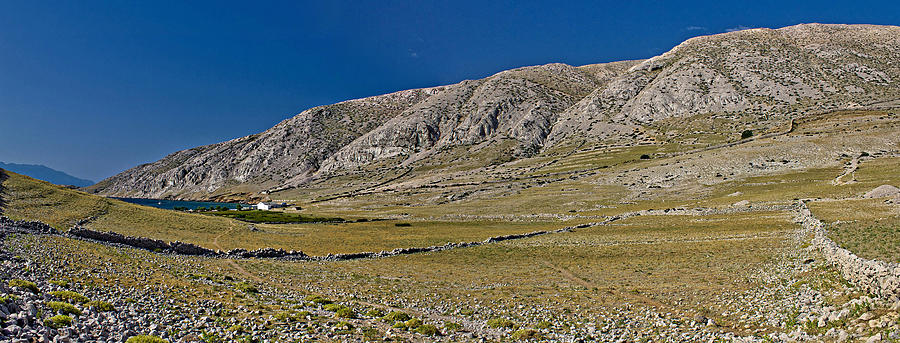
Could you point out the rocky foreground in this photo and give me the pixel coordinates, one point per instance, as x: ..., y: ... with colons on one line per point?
x: 49, y: 295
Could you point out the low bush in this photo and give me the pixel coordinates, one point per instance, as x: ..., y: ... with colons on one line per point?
x: 453, y: 327
x: 286, y: 316
x: 145, y: 339
x: 498, y: 323
x: 17, y: 283
x: 60, y: 283
x: 413, y: 323
x: 371, y: 334
x: 333, y: 307
x: 396, y: 316
x: 64, y: 308
x: 246, y: 287
x: 70, y: 296
x: 345, y: 312
x: 343, y: 327
x: 7, y: 298
x: 402, y: 224
x: 375, y: 313
x: 318, y: 299
x: 526, y: 334
x: 427, y: 330
x: 58, y: 321
x: 544, y: 325
x: 210, y: 337
x: 101, y: 306
x: 746, y: 134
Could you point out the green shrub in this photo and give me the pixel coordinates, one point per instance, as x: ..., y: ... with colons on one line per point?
x: 237, y: 329
x: 60, y: 283
x: 17, y: 283
x: 371, y: 334
x: 427, y: 330
x: 396, y: 316
x: 544, y: 325
x: 343, y: 327
x: 58, y: 321
x: 7, y: 298
x: 210, y: 337
x: 399, y: 325
x: 413, y: 323
x: 402, y: 224
x: 318, y: 299
x: 345, y: 312
x: 453, y: 327
x: 286, y: 316
x: 145, y: 339
x: 246, y: 288
x: 101, y: 306
x: 645, y: 157
x: 746, y: 134
x: 333, y: 307
x: 375, y: 313
x: 65, y: 308
x: 498, y: 323
x: 526, y: 334
x: 70, y: 296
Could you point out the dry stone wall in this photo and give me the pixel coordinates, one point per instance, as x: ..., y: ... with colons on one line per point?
x: 180, y: 248
x: 876, y: 277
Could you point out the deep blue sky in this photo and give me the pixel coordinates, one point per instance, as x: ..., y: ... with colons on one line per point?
x: 94, y: 88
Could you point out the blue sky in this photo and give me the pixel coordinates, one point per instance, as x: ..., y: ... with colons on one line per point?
x: 94, y: 88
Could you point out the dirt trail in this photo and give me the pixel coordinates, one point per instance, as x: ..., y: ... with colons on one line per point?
x: 234, y: 265
x: 848, y: 170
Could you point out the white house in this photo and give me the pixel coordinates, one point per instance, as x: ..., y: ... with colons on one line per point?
x: 265, y: 206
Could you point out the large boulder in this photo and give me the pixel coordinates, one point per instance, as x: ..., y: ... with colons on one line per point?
x: 883, y: 191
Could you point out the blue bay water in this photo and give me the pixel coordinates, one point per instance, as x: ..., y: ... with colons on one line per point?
x: 171, y: 204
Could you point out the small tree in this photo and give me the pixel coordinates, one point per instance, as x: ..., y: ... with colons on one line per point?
x: 746, y: 134
x: 645, y: 157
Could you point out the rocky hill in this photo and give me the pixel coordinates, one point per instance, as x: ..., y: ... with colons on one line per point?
x: 762, y: 76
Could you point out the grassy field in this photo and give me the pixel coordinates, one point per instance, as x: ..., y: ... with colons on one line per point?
x: 678, y: 264
x: 868, y: 227
x: 37, y: 200
x: 257, y: 216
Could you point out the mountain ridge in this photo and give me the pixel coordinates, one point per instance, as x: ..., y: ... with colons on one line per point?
x: 42, y: 172
x: 767, y: 75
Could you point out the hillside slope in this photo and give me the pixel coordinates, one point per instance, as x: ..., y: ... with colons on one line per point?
x: 47, y: 174
x: 761, y: 78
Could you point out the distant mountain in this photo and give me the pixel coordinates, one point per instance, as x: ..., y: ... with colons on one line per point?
x: 762, y: 76
x: 45, y: 173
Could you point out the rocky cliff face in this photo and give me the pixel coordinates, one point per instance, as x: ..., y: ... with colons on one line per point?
x: 760, y: 73
x: 287, y: 153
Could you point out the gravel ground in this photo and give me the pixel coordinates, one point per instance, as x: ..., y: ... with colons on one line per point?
x: 799, y: 299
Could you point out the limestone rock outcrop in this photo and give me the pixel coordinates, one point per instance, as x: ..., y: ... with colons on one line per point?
x: 760, y: 74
